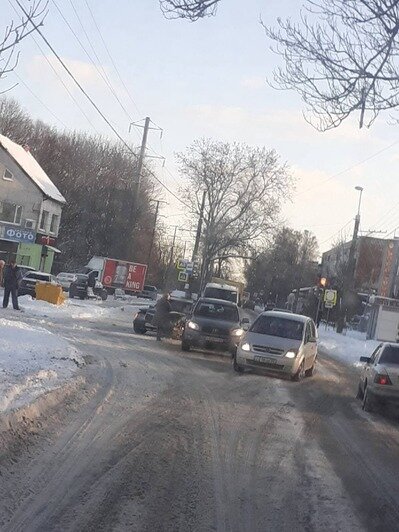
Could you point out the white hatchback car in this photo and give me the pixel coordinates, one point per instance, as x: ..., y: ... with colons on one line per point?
x: 379, y: 379
x: 281, y: 343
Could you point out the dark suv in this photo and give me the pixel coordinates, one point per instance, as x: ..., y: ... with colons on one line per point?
x: 80, y: 288
x: 27, y: 285
x: 213, y: 324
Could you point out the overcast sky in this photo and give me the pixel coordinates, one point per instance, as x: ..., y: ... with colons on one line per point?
x: 208, y: 79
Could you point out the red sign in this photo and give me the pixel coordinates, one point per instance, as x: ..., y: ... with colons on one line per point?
x: 136, y: 277
x: 126, y: 275
x: 109, y: 272
x: 45, y: 240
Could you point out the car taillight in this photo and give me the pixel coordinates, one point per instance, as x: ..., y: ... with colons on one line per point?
x: 382, y: 379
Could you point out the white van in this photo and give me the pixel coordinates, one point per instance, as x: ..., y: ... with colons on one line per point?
x: 225, y: 292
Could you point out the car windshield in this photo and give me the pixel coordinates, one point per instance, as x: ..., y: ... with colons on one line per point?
x: 221, y: 293
x: 81, y: 277
x: 390, y: 355
x: 217, y: 311
x: 149, y: 288
x: 38, y: 276
x: 276, y: 326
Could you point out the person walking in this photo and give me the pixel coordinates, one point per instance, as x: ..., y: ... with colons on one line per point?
x: 162, y: 309
x: 11, y: 277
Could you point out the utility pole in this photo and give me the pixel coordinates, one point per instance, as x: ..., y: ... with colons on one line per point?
x: 171, y: 255
x: 199, y: 227
x: 350, y: 267
x: 153, y: 230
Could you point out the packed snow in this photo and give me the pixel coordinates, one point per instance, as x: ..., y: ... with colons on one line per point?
x: 347, y: 347
x: 32, y: 361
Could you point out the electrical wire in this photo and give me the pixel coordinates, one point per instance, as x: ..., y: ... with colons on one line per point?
x: 348, y: 169
x: 111, y: 58
x: 102, y: 73
x: 336, y: 233
x: 93, y: 103
x: 38, y: 99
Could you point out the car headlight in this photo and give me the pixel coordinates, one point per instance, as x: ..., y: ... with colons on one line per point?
x: 291, y: 354
x: 237, y: 332
x: 246, y: 347
x: 192, y: 325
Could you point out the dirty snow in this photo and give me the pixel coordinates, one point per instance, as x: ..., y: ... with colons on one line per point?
x: 348, y: 347
x: 32, y: 361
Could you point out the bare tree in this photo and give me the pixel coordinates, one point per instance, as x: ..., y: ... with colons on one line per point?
x: 244, y: 188
x: 15, y: 32
x: 189, y: 9
x: 342, y: 58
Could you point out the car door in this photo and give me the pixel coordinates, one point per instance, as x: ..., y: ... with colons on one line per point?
x: 310, y: 344
x: 367, y: 372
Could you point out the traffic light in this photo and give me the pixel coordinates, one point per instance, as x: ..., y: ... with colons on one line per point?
x: 196, y: 269
x: 322, y: 282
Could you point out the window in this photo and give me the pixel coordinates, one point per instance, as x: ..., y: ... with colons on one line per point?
x: 281, y: 327
x: 390, y: 355
x: 54, y: 223
x: 43, y: 220
x: 375, y: 354
x: 8, y: 176
x: 10, y: 212
x: 221, y: 293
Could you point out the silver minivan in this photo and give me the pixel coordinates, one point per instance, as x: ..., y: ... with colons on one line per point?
x: 281, y: 343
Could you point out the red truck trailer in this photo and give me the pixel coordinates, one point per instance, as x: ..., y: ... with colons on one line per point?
x: 115, y: 273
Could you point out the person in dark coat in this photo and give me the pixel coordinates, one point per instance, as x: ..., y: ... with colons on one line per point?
x: 162, y: 309
x: 11, y: 277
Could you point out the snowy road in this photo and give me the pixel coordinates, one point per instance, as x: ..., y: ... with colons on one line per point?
x: 158, y: 440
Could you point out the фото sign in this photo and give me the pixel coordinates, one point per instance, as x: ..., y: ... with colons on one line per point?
x: 16, y: 234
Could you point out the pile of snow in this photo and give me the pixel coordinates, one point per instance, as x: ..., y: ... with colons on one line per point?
x: 73, y: 308
x: 347, y: 348
x: 32, y: 361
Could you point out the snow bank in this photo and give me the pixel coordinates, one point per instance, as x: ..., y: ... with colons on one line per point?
x: 32, y: 361
x: 347, y: 348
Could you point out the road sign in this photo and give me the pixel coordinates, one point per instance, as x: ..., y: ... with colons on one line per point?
x: 330, y: 298
x: 181, y: 264
x: 182, y: 277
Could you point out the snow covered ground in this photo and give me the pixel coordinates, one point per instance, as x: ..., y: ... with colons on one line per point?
x: 347, y: 348
x: 32, y: 361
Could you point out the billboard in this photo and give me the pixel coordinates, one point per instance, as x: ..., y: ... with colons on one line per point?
x: 126, y: 275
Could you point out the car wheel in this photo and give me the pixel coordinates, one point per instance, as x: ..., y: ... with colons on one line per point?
x: 368, y: 401
x: 310, y: 372
x: 138, y: 330
x: 185, y: 346
x: 299, y: 375
x: 359, y: 394
x: 237, y: 367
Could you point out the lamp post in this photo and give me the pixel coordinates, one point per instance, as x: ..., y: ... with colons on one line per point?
x: 350, y: 266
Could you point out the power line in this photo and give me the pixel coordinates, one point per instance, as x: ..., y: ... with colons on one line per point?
x: 348, y: 169
x: 93, y: 103
x: 57, y: 74
x: 39, y: 99
x: 111, y: 58
x: 336, y: 233
x: 99, y: 68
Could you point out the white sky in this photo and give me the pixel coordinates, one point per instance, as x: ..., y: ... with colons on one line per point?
x: 208, y: 79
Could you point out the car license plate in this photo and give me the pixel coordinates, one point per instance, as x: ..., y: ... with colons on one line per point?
x: 265, y: 360
x: 214, y: 340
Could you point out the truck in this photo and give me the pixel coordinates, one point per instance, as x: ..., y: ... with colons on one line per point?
x: 224, y: 289
x: 115, y: 273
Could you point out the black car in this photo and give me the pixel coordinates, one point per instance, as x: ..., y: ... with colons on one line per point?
x: 213, y: 324
x: 81, y: 288
x: 27, y: 285
x: 181, y: 308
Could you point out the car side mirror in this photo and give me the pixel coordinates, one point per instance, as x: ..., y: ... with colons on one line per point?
x: 365, y: 359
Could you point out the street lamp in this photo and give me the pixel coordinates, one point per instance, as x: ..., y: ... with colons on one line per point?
x: 359, y: 189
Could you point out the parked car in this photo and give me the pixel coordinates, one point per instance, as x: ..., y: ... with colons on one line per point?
x: 213, y: 323
x: 379, y: 378
x: 65, y: 279
x: 120, y: 294
x: 149, y: 292
x: 25, y: 269
x: 80, y: 288
x: 181, y: 307
x: 279, y: 342
x: 27, y: 285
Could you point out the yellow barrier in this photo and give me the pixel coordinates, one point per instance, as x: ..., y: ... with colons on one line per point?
x: 51, y: 293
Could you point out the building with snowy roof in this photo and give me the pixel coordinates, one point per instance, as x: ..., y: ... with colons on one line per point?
x: 30, y: 208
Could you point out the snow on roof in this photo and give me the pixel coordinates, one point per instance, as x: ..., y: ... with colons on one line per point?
x: 32, y: 168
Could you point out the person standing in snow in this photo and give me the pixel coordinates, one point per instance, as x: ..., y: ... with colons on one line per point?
x: 2, y: 264
x: 162, y: 309
x: 11, y: 277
